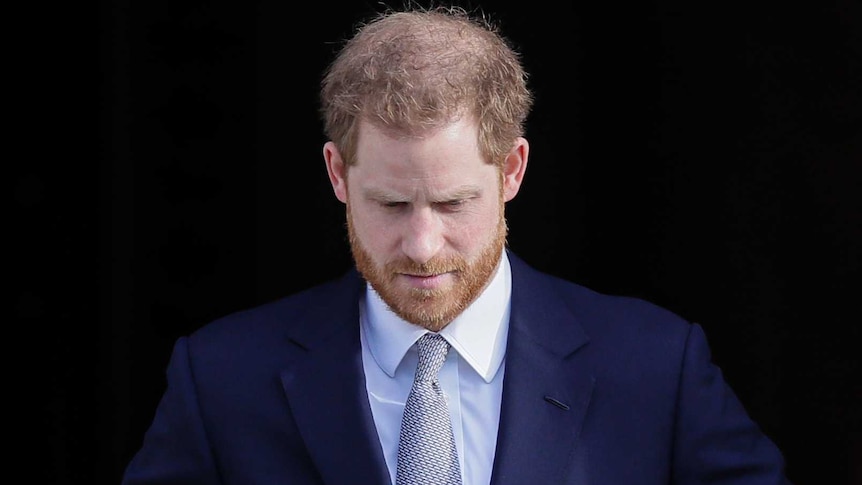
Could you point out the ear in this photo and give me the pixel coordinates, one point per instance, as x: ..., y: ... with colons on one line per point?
x: 514, y: 168
x: 336, y: 169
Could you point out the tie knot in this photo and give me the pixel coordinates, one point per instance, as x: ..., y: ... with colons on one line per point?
x: 432, y: 353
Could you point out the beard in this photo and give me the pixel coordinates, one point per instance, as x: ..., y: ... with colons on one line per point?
x: 432, y: 309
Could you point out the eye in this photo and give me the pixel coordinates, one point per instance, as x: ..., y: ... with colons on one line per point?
x: 393, y: 204
x: 452, y: 205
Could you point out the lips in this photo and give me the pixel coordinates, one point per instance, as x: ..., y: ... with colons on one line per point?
x: 427, y: 281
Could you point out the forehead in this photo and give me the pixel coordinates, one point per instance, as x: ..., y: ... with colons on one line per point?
x: 454, y: 146
x: 439, y: 164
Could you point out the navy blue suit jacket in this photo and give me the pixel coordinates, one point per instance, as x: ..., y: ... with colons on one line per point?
x: 600, y: 390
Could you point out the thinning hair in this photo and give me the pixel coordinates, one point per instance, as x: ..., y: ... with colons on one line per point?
x: 412, y: 71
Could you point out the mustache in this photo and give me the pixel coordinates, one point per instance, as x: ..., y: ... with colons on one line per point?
x: 430, y: 267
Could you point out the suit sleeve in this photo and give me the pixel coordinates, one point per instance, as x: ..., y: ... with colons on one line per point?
x: 715, y: 441
x: 175, y: 448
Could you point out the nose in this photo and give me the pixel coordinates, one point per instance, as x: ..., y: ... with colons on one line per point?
x: 423, y: 235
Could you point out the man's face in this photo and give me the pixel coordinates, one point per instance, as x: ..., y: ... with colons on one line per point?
x: 426, y: 220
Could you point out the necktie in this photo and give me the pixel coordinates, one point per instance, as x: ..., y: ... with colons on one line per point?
x: 426, y: 447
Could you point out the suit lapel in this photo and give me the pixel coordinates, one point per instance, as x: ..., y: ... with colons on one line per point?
x: 546, y: 389
x: 326, y: 391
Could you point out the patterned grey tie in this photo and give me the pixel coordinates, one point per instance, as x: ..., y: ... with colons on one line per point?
x: 426, y: 448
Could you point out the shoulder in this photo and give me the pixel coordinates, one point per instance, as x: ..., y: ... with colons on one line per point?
x: 278, y: 320
x: 603, y: 317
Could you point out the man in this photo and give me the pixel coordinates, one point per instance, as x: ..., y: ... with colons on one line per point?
x: 544, y: 381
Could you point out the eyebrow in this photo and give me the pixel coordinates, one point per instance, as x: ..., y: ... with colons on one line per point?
x: 460, y: 193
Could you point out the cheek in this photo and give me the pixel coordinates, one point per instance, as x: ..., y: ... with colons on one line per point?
x: 472, y: 232
x: 376, y: 232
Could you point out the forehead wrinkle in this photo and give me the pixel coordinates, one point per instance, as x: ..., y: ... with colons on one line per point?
x: 464, y: 191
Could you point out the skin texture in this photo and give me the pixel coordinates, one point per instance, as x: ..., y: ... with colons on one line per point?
x: 425, y: 215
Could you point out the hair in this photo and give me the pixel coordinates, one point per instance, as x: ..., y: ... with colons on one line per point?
x: 412, y: 71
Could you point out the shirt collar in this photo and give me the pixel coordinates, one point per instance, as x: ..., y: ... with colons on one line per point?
x: 478, y: 334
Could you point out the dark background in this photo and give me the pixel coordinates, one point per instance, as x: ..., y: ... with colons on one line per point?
x: 705, y: 156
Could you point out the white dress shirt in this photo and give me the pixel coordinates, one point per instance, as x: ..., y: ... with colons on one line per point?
x: 471, y: 377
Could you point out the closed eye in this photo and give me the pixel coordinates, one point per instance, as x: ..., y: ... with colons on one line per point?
x: 453, y: 205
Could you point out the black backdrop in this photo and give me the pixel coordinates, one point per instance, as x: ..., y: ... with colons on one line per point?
x: 703, y: 156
